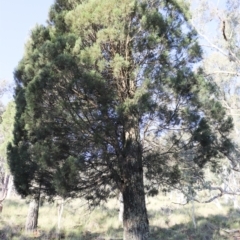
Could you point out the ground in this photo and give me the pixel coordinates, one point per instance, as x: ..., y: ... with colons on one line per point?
x: 167, y: 220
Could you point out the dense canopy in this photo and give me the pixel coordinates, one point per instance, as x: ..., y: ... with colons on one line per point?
x: 108, y: 94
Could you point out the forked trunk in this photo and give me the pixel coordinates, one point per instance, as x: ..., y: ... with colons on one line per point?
x: 32, y: 217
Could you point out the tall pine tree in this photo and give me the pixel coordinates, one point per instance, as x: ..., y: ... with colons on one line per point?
x: 107, y: 96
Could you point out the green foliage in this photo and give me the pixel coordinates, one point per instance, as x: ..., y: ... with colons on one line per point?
x: 106, y: 93
x: 6, y: 128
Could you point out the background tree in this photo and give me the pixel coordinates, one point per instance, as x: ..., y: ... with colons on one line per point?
x: 213, y: 20
x: 22, y: 168
x: 217, y: 23
x: 7, y: 112
x: 6, y: 128
x: 106, y: 94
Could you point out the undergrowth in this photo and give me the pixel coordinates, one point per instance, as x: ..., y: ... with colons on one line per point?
x: 167, y: 221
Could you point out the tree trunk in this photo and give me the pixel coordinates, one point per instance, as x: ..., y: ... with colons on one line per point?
x: 135, y: 219
x: 60, y: 212
x: 10, y: 187
x: 5, y: 186
x: 32, y: 217
x: 121, y: 208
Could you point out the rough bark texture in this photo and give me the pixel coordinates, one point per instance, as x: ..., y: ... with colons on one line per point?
x: 32, y: 217
x: 135, y: 219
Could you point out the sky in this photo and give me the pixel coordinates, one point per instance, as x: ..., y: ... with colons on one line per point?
x: 17, y: 18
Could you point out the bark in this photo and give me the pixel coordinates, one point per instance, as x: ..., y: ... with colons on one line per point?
x: 5, y: 185
x: 135, y: 219
x: 32, y: 217
x: 60, y: 212
x: 121, y: 207
x: 4, y: 190
x: 10, y: 187
x: 193, y: 215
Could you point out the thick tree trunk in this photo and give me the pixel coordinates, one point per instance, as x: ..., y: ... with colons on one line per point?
x: 32, y: 217
x: 135, y: 219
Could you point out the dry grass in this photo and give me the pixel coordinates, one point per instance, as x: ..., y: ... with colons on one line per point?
x: 167, y: 221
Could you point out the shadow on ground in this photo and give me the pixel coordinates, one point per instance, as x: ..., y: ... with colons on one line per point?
x: 16, y: 233
x: 216, y: 227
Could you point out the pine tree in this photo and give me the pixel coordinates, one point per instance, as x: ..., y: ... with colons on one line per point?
x: 110, y: 97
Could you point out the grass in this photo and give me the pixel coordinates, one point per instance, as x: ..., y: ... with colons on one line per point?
x: 167, y: 221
